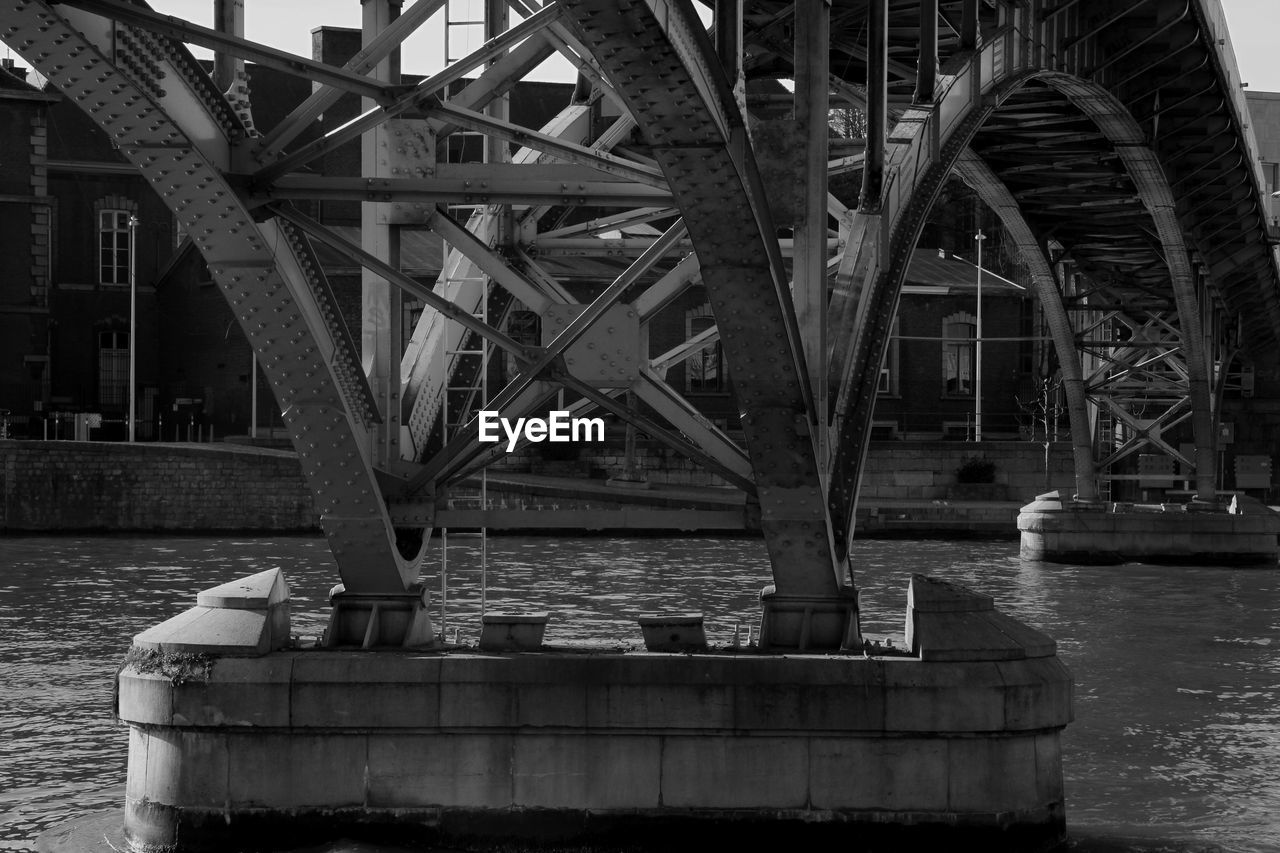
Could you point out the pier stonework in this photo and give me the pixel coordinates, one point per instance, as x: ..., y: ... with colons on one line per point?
x: 960, y: 733
x: 1243, y: 532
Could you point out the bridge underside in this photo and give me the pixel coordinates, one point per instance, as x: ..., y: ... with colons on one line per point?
x: 1110, y: 143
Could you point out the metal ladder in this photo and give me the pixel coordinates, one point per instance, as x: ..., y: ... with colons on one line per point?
x: 464, y: 30
x: 474, y: 394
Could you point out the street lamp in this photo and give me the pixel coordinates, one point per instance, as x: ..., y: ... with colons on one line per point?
x: 977, y: 350
x: 133, y: 321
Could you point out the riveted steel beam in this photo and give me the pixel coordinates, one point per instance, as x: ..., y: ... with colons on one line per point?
x: 362, y: 63
x: 604, y: 162
x: 319, y: 232
x: 473, y: 184
x: 268, y: 57
x: 496, y: 79
x: 697, y: 135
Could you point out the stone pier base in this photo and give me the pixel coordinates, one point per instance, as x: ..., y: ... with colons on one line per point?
x: 959, y: 738
x: 1240, y: 532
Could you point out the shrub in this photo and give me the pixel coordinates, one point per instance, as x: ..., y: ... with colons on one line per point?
x: 976, y: 469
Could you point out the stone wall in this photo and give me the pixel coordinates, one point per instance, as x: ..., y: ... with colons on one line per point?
x: 68, y: 485
x: 896, y: 470
x: 926, y: 470
x: 659, y: 464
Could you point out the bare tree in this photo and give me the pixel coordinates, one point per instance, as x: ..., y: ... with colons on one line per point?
x: 1046, y: 408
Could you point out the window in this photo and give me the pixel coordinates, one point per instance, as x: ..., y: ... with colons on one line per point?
x: 704, y: 372
x: 525, y: 328
x: 959, y: 332
x: 113, y: 369
x: 888, y: 384
x: 1271, y: 177
x: 113, y: 246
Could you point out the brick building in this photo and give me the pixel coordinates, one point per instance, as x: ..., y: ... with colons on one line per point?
x: 72, y: 202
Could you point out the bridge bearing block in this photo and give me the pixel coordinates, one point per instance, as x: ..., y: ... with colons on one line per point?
x: 379, y: 620
x: 809, y: 622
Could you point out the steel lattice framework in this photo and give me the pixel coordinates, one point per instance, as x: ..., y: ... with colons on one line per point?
x: 1111, y: 136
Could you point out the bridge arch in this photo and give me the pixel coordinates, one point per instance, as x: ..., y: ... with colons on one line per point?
x: 926, y: 153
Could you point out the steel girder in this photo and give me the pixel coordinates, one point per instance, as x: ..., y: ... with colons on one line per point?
x: 662, y: 63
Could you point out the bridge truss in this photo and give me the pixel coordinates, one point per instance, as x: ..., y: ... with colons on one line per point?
x: 1109, y: 138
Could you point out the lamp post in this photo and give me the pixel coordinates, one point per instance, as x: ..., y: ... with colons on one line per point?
x: 977, y: 350
x: 253, y: 394
x: 133, y: 322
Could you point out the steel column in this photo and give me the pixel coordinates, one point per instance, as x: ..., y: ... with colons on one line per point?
x: 877, y: 104
x: 969, y: 24
x: 228, y: 17
x: 382, y: 305
x: 927, y: 67
x: 812, y: 104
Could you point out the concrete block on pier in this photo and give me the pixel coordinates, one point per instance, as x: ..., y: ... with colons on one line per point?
x: 946, y: 621
x: 249, y: 616
x: 673, y: 632
x: 505, y: 632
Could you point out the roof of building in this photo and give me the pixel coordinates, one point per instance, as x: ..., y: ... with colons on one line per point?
x: 14, y: 85
x: 935, y: 272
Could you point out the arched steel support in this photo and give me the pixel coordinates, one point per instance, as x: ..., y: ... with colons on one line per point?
x: 1143, y: 167
x: 929, y: 143
x: 677, y: 91
x: 975, y: 172
x: 179, y: 134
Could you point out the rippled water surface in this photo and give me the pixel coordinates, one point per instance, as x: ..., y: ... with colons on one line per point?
x: 1175, y: 746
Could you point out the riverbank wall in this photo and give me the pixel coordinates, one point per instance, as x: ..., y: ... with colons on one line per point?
x: 103, y: 486
x: 909, y: 487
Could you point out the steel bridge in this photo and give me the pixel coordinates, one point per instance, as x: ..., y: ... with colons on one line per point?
x: 1110, y: 138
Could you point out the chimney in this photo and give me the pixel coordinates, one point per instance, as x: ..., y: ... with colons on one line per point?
x: 334, y: 45
x: 9, y: 65
x: 228, y: 17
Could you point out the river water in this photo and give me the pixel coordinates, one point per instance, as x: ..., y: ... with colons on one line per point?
x: 1175, y: 747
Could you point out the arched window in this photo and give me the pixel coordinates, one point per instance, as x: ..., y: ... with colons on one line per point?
x: 959, y: 334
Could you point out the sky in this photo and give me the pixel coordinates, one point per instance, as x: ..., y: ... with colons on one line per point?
x: 1254, y: 25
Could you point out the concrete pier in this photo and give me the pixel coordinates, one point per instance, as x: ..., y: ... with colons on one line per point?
x: 1240, y: 531
x: 958, y: 737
